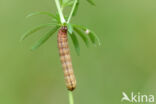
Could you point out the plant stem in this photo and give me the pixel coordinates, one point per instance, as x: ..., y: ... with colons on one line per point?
x: 60, y: 11
x: 71, y: 13
x: 71, y: 100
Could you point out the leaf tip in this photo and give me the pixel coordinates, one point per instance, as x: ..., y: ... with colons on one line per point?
x: 91, y: 2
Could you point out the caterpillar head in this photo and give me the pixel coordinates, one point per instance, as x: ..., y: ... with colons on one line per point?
x: 64, y: 29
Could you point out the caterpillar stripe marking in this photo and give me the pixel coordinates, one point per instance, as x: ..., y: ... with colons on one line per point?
x: 66, y: 59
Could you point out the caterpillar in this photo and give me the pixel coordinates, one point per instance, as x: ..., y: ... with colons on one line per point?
x: 65, y: 58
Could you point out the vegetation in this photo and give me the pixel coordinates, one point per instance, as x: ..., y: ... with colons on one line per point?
x: 58, y: 22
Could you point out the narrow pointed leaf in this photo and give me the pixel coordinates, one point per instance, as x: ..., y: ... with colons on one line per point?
x: 45, y: 38
x: 69, y: 3
x: 80, y: 26
x: 91, y: 2
x: 30, y: 32
x: 93, y: 37
x: 70, y: 28
x: 41, y: 13
x: 82, y: 35
x: 75, y: 43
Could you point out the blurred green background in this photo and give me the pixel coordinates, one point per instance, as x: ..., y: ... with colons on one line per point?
x: 126, y: 61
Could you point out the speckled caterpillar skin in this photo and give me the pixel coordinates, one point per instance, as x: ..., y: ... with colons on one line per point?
x: 66, y: 59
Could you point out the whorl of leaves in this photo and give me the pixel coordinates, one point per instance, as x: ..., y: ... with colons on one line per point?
x: 73, y: 30
x: 45, y: 38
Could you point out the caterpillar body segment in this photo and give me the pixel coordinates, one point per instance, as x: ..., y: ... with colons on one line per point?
x: 66, y: 59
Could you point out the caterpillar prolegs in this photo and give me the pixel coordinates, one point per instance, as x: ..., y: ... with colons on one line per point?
x: 66, y: 59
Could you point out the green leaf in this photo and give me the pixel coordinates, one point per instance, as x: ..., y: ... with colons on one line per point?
x: 69, y: 3
x: 82, y: 35
x: 24, y: 36
x: 84, y: 28
x: 93, y: 37
x: 41, y: 13
x: 45, y: 38
x: 76, y: 8
x: 70, y: 28
x: 97, y: 38
x: 75, y: 43
x: 91, y: 2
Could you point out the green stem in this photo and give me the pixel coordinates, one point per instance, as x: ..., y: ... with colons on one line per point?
x: 72, y: 11
x: 60, y: 11
x: 71, y: 99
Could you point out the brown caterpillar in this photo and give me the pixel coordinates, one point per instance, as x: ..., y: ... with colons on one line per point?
x: 66, y: 59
